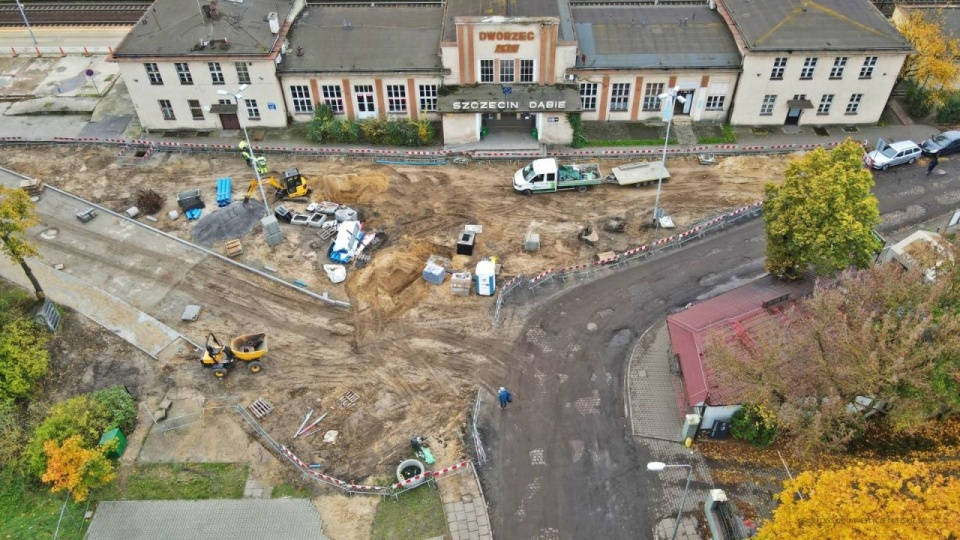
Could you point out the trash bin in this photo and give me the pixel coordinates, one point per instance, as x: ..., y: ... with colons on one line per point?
x: 465, y: 243
x: 720, y: 431
x: 121, y: 445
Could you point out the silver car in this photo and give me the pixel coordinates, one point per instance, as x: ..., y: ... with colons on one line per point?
x: 890, y: 154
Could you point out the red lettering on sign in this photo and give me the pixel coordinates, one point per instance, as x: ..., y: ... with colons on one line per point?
x: 507, y: 48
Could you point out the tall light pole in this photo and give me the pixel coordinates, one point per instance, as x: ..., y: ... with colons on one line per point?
x: 668, y: 113
x: 253, y: 161
x: 659, y: 466
x: 26, y: 22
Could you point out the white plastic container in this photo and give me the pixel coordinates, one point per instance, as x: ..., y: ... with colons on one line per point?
x: 486, y: 278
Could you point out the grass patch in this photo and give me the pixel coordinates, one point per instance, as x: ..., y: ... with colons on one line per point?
x: 417, y: 515
x: 29, y: 511
x: 168, y: 481
x: 726, y: 136
x: 630, y: 142
x: 289, y: 490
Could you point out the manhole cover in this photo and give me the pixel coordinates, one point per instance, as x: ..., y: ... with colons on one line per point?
x: 49, y: 234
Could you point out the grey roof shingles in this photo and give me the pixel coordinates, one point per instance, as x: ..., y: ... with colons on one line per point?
x: 506, y: 8
x: 175, y: 27
x: 240, y: 519
x: 357, y: 39
x: 692, y: 36
x: 807, y: 25
x: 948, y: 16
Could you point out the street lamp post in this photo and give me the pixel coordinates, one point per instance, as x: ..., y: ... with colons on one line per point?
x: 659, y: 466
x: 26, y: 22
x: 253, y: 161
x: 672, y: 95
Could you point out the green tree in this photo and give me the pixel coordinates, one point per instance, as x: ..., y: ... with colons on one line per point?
x: 16, y: 216
x: 23, y: 359
x: 822, y: 215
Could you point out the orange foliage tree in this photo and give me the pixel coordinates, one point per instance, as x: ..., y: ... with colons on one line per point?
x: 893, y: 500
x: 76, y: 469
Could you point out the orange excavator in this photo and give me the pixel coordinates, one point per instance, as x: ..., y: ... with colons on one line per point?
x: 292, y: 186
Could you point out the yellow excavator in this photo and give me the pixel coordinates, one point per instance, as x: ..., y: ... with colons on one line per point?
x: 292, y: 186
x: 248, y: 348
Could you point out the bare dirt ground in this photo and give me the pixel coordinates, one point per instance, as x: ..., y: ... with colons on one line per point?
x: 411, y: 351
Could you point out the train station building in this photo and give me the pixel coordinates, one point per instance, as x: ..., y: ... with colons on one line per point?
x: 486, y: 67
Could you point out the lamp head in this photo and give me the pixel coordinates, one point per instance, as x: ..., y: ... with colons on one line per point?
x: 656, y: 466
x: 223, y: 92
x: 243, y: 87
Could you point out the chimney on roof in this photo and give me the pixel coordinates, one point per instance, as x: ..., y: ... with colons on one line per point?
x: 274, y: 22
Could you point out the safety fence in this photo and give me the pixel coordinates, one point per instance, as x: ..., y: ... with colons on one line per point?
x: 475, y: 432
x: 587, y: 270
x: 382, y: 153
x: 348, y: 487
x: 48, y: 51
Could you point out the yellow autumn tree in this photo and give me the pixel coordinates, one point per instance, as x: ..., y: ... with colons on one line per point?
x: 935, y: 65
x: 893, y: 500
x: 76, y: 469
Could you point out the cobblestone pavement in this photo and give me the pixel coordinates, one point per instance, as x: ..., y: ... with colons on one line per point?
x: 465, y: 508
x: 652, y: 391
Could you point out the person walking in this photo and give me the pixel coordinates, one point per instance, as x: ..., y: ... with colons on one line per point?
x: 505, y: 397
x: 933, y: 164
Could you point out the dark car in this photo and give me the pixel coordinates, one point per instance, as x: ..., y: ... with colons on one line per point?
x: 945, y: 143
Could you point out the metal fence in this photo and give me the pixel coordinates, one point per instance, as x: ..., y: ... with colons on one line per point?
x: 587, y: 271
x: 474, y: 432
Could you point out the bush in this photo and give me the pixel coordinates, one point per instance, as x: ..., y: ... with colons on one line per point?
x: 23, y: 359
x: 12, y: 437
x: 86, y: 415
x: 394, y: 132
x: 949, y: 113
x: 755, y: 424
x: 919, y: 102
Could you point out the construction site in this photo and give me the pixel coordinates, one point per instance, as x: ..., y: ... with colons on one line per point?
x: 408, y: 354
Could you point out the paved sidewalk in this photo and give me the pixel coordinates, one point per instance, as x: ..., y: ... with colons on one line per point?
x: 465, y: 507
x: 653, y: 388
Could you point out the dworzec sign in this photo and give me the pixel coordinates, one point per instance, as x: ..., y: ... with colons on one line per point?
x: 510, y: 98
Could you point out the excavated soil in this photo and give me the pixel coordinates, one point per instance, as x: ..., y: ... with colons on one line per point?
x: 412, y: 352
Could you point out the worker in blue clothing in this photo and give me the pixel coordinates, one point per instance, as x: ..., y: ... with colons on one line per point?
x: 505, y: 397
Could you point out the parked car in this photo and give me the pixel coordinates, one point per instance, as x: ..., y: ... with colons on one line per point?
x: 890, y: 154
x: 945, y: 143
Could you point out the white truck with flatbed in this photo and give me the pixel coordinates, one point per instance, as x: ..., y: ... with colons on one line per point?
x: 547, y: 176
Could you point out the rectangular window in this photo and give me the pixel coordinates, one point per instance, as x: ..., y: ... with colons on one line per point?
x: 839, y: 63
x: 195, y: 109
x: 715, y: 103
x: 302, y: 104
x: 869, y: 63
x: 853, y: 106
x: 364, y: 93
x: 506, y: 71
x: 428, y: 97
x: 826, y: 101
x: 779, y: 65
x: 651, y: 98
x: 333, y: 96
x: 486, y: 71
x: 243, y: 75
x: 153, y: 73
x: 766, y: 109
x: 396, y: 98
x: 809, y: 65
x: 216, y: 74
x: 619, y: 96
x: 526, y: 71
x: 253, y: 112
x: 183, y: 71
x: 588, y: 96
x: 166, y: 108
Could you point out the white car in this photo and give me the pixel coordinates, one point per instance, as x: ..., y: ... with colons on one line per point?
x: 889, y: 154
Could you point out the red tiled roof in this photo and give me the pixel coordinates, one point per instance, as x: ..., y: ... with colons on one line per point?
x: 738, y: 313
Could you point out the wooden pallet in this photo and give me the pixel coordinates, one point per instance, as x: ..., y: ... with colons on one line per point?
x: 234, y: 248
x: 348, y: 399
x: 260, y: 408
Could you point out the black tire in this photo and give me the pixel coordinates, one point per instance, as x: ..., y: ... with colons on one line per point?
x: 255, y: 367
x: 527, y: 192
x: 582, y: 189
x: 219, y: 372
x: 913, y: 160
x: 885, y: 167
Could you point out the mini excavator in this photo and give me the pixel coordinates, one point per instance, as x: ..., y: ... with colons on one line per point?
x: 292, y: 186
x: 248, y: 348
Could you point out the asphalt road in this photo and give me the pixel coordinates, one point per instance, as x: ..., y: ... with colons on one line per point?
x: 562, y: 462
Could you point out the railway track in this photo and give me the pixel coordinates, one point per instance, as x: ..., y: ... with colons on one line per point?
x: 61, y: 14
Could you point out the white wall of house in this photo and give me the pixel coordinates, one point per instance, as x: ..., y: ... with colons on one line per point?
x: 603, y: 107
x: 354, y: 104
x: 712, y: 414
x: 757, y: 82
x: 461, y: 128
x: 553, y: 128
x: 264, y: 88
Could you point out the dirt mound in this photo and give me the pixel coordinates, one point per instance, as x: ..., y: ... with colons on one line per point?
x: 349, y: 188
x: 391, y: 283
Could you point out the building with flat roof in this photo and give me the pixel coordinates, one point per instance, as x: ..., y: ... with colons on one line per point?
x: 183, y: 51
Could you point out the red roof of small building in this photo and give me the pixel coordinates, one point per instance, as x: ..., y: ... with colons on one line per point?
x: 739, y: 313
